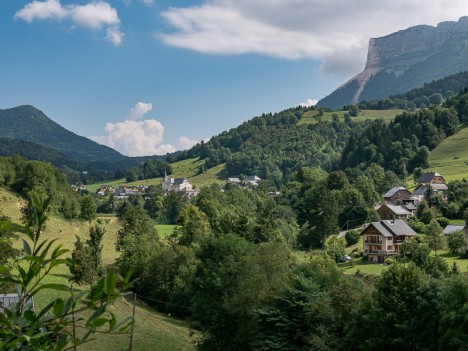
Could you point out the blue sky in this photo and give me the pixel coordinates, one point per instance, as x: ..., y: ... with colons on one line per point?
x: 148, y: 77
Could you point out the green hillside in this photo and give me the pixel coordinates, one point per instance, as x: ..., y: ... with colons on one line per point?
x: 181, y: 169
x: 153, y: 331
x: 450, y: 158
x: 312, y: 116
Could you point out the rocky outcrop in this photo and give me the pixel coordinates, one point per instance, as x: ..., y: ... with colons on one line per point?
x: 405, y: 60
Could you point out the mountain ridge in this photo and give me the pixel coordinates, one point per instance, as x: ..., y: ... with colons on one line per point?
x: 405, y: 60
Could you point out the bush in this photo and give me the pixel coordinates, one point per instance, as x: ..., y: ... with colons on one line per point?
x: 443, y: 222
x: 418, y: 227
x: 389, y: 261
x: 352, y: 237
x: 365, y: 258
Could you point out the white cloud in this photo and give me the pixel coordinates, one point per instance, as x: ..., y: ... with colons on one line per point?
x: 94, y: 15
x: 186, y: 143
x: 335, y: 31
x: 148, y: 3
x: 135, y: 138
x: 114, y: 35
x: 139, y: 110
x: 309, y: 103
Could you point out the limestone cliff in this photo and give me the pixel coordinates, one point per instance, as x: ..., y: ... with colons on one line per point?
x: 404, y: 60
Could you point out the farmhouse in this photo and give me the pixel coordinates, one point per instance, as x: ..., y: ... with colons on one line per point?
x: 396, y: 195
x: 383, y: 239
x: 393, y: 212
x: 431, y: 178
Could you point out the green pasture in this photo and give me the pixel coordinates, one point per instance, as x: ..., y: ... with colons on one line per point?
x: 386, y: 115
x: 153, y: 331
x: 182, y: 169
x: 450, y: 158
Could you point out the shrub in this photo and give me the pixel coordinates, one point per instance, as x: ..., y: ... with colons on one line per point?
x: 352, y: 237
x: 389, y: 261
x: 443, y: 222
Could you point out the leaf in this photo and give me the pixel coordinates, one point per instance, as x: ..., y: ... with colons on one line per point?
x: 111, y: 282
x: 52, y: 286
x: 95, y: 315
x: 58, y: 307
x: 99, y: 322
x: 26, y: 247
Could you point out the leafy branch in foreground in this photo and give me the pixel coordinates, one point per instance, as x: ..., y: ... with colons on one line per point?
x: 51, y: 328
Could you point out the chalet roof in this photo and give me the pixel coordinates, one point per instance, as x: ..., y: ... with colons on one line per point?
x: 453, y: 228
x: 439, y: 187
x: 409, y: 206
x: 398, y: 210
x: 393, y: 191
x: 427, y: 177
x: 421, y: 189
x: 392, y: 227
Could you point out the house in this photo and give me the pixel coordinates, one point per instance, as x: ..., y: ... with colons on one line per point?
x: 176, y: 184
x: 396, y: 195
x: 383, y: 239
x: 449, y: 229
x: 123, y: 192
x: 393, y: 212
x: 254, y: 178
x: 421, y: 191
x: 8, y: 300
x: 431, y: 178
x: 234, y: 181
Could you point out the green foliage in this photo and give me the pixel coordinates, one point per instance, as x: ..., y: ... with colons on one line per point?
x: 435, y: 239
x: 335, y: 248
x: 22, y: 328
x: 352, y: 237
x: 88, y: 208
x: 86, y: 265
x: 152, y: 168
x: 7, y: 236
x: 456, y: 242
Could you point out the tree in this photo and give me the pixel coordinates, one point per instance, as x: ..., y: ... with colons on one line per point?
x: 435, y: 238
x: 456, y: 242
x: 7, y: 235
x: 195, y: 225
x: 335, y: 248
x: 88, y: 208
x: 352, y: 237
x: 22, y: 328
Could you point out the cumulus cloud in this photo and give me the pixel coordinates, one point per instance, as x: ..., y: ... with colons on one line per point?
x: 335, y: 31
x: 309, y: 103
x: 139, y: 110
x: 135, y: 138
x: 94, y: 15
x: 186, y: 143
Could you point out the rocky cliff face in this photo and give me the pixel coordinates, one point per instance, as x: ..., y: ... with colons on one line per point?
x: 404, y: 60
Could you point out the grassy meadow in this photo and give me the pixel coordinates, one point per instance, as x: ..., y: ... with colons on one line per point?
x: 386, y: 115
x: 182, y: 169
x: 450, y: 158
x: 153, y: 331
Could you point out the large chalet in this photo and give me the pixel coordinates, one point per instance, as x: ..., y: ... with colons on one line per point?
x: 383, y: 239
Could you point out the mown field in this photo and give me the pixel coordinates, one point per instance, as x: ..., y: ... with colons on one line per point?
x: 386, y: 115
x: 450, y: 158
x: 153, y: 331
x: 181, y: 169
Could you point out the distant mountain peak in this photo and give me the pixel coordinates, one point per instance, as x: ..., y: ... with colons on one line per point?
x: 404, y: 60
